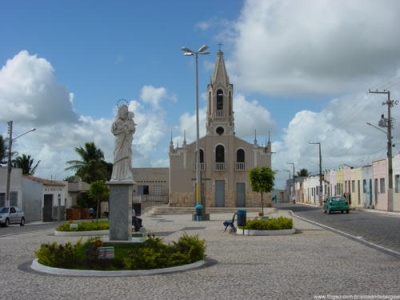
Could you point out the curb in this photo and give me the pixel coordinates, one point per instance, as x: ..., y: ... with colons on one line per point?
x: 94, y: 273
x: 78, y: 233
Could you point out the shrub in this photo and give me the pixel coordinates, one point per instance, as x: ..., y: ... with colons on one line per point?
x: 269, y: 224
x: 151, y: 254
x: 155, y: 254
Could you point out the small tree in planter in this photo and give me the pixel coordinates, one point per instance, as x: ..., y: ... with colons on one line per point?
x: 262, y: 181
x: 98, y: 191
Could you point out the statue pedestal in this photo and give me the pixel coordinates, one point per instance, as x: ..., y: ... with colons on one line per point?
x: 120, y: 216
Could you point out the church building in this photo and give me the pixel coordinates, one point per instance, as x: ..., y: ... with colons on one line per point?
x: 225, y: 159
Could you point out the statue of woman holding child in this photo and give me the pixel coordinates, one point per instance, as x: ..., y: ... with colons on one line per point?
x: 123, y: 129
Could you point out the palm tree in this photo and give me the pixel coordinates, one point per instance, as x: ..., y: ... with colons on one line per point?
x: 92, y: 166
x: 26, y: 163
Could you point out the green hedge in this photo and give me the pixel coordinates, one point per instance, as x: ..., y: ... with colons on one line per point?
x: 151, y: 254
x: 269, y: 224
x: 85, y: 226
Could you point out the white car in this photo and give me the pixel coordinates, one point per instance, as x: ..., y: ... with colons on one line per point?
x: 11, y: 215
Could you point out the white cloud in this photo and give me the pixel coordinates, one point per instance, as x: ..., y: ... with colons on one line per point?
x: 30, y: 92
x: 32, y: 97
x: 315, y: 47
x: 154, y: 96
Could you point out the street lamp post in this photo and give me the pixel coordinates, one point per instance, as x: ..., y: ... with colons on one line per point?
x: 289, y: 179
x: 320, y: 171
x: 189, y: 52
x: 294, y: 188
x: 9, y: 167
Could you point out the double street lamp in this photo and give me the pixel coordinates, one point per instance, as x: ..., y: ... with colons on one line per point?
x: 9, y: 167
x: 189, y: 52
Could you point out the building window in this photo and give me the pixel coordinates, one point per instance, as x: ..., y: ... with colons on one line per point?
x: 13, y: 198
x: 364, y: 186
x: 220, y: 100
x: 240, y: 155
x: 220, y: 158
x: 220, y: 154
x: 382, y: 185
x: 240, y: 160
x: 143, y: 190
x: 157, y: 190
x: 353, y: 187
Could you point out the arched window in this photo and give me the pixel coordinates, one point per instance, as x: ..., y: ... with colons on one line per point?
x: 220, y: 154
x: 240, y: 156
x: 220, y: 100
x: 240, y: 160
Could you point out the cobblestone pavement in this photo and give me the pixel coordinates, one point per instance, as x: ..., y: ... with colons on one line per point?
x: 312, y: 263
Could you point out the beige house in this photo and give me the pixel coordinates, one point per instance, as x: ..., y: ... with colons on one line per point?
x: 225, y: 159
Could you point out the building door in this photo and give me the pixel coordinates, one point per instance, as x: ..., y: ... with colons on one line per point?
x: 48, y: 208
x: 220, y: 193
x: 240, y: 194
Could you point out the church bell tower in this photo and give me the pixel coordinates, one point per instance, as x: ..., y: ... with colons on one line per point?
x: 220, y: 120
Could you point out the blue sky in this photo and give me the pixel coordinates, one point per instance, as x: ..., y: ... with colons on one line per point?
x: 301, y: 70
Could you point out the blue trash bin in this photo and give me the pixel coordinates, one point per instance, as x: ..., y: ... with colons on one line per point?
x: 241, y: 217
x: 199, y: 209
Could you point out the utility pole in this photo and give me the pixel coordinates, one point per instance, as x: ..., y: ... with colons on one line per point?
x: 320, y: 172
x: 388, y: 123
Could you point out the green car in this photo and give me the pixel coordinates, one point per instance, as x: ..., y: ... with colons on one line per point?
x: 336, y: 203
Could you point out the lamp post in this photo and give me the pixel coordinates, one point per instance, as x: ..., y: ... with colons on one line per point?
x: 289, y: 180
x: 294, y: 188
x: 189, y: 52
x: 320, y: 171
x: 389, y: 157
x: 9, y: 168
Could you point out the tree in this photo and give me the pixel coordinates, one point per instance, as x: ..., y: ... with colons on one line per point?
x: 98, y: 191
x: 262, y: 181
x: 303, y: 173
x: 92, y: 166
x: 26, y: 163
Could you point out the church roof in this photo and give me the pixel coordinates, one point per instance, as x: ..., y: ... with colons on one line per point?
x: 220, y: 75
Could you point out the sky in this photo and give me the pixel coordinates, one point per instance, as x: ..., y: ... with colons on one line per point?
x: 301, y: 69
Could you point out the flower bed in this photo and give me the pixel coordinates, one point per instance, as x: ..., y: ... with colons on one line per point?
x: 269, y: 226
x: 151, y: 254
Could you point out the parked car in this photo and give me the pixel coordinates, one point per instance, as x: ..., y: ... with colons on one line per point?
x: 11, y: 215
x: 336, y: 203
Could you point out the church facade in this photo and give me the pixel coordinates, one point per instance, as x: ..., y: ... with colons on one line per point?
x: 225, y: 159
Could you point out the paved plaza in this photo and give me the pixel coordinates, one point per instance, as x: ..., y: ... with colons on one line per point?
x: 312, y: 264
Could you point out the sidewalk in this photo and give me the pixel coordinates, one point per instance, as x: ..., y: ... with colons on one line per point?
x: 312, y: 262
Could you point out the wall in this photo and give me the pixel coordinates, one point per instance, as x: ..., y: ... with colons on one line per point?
x: 32, y: 199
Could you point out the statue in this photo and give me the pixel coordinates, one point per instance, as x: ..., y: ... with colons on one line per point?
x: 123, y: 129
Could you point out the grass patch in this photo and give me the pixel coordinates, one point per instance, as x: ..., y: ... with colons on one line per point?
x: 151, y: 254
x: 269, y: 224
x: 85, y: 226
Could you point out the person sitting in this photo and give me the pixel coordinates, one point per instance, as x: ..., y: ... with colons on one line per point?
x: 136, y: 221
x: 91, y: 212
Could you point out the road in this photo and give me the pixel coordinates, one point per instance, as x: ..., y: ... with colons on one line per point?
x: 376, y: 228
x: 16, y: 229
